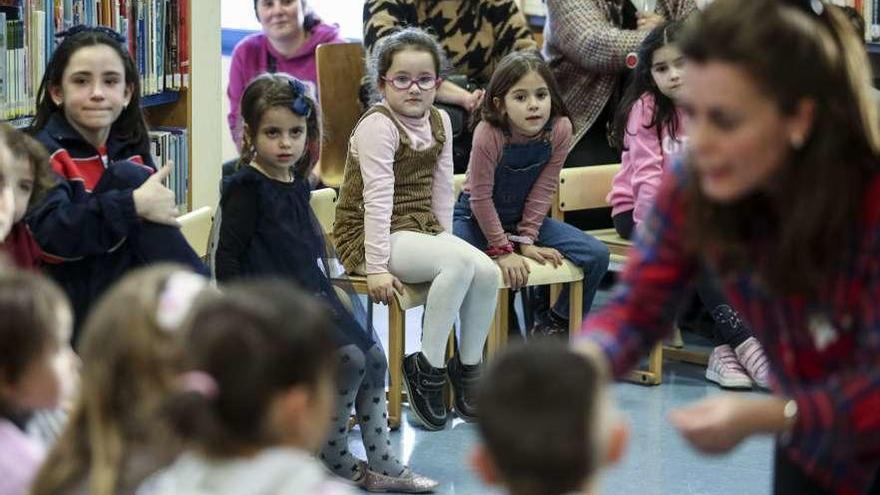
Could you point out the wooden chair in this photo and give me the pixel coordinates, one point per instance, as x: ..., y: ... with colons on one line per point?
x: 340, y: 70
x: 196, y: 228
x: 583, y: 188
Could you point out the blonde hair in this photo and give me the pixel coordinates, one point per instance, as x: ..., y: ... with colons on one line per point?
x: 130, y: 363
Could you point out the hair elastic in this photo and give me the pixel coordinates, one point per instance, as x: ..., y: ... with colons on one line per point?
x: 199, y: 382
x: 176, y: 298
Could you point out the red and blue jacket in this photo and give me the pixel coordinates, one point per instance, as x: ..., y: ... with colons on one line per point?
x: 87, y: 225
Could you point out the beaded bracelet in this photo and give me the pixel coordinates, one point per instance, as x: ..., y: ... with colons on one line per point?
x: 496, y: 251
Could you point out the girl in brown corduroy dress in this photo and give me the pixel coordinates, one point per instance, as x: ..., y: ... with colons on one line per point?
x: 394, y: 223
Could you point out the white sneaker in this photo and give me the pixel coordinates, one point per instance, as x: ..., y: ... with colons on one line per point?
x: 725, y: 370
x: 751, y: 356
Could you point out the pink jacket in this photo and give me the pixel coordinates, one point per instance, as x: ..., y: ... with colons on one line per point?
x: 643, y: 161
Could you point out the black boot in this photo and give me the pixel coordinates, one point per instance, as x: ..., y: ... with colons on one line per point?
x: 464, y: 379
x: 550, y: 326
x: 424, y: 390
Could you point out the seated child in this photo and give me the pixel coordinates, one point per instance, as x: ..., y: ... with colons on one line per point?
x: 29, y: 176
x: 257, y: 399
x: 547, y: 423
x: 35, y: 359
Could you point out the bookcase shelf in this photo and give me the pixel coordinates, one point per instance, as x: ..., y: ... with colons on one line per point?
x: 166, y: 97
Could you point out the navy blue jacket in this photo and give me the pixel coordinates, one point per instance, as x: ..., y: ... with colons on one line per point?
x: 87, y: 225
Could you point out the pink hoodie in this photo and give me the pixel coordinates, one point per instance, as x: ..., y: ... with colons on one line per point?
x: 644, y: 160
x: 250, y: 59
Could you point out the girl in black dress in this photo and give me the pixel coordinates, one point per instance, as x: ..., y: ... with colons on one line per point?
x: 268, y: 229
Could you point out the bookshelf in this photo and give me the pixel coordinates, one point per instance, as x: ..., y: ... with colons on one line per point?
x: 172, y: 107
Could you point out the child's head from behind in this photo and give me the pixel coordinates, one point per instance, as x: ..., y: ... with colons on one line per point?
x: 36, y: 361
x: 405, y: 68
x: 260, y: 371
x: 131, y: 356
x: 26, y: 169
x: 281, y: 127
x: 93, y: 81
x: 546, y: 422
x: 522, y: 95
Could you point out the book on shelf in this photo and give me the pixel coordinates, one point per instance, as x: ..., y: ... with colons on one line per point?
x: 155, y: 31
x: 170, y: 144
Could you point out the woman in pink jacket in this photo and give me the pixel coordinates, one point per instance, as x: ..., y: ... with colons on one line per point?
x: 291, y: 33
x: 648, y: 129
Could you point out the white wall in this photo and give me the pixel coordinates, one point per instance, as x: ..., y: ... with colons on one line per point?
x: 205, y: 99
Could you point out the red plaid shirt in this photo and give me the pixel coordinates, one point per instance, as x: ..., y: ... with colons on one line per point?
x: 824, y: 353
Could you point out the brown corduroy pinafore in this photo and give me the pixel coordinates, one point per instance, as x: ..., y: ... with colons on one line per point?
x: 413, y: 181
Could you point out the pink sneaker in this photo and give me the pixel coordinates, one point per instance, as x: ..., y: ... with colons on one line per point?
x: 751, y: 355
x: 725, y: 370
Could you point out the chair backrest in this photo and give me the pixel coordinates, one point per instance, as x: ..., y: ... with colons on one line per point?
x: 457, y: 184
x: 584, y: 188
x: 323, y: 203
x: 196, y: 228
x: 340, y: 70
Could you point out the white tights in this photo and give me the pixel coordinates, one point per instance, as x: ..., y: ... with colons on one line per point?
x: 464, y: 281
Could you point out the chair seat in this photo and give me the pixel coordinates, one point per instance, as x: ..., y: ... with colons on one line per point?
x: 548, y: 274
x: 413, y: 295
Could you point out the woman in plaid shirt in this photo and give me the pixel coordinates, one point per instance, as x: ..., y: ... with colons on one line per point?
x: 780, y: 197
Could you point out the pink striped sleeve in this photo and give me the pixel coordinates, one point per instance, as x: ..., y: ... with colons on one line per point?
x: 376, y: 140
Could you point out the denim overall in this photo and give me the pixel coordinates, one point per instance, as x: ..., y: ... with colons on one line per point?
x: 515, y: 175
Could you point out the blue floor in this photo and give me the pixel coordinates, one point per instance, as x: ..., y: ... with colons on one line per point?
x: 657, y: 462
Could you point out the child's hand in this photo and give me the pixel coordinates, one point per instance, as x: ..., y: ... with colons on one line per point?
x: 514, y: 269
x: 473, y: 100
x: 541, y: 254
x: 155, y: 202
x: 720, y: 422
x: 381, y: 287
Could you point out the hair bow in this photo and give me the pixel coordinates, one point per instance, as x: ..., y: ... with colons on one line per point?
x: 300, y: 105
x: 82, y: 28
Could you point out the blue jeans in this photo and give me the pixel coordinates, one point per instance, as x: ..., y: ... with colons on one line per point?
x: 582, y: 249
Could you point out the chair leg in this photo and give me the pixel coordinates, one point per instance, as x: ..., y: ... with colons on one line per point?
x: 655, y: 362
x: 498, y: 332
x: 654, y: 374
x: 575, y: 308
x: 396, y: 347
x: 450, y: 351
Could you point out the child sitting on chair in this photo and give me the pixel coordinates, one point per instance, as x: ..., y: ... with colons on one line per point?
x: 547, y: 423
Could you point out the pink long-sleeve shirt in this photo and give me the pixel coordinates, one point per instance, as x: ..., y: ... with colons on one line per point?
x: 374, y: 142
x: 486, y: 154
x: 642, y: 163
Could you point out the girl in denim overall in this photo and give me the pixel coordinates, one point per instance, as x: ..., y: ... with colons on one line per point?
x: 519, y: 148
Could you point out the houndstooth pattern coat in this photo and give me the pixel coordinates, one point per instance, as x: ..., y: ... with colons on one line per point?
x: 587, y: 49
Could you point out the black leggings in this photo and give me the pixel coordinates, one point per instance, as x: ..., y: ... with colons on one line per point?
x: 729, y: 327
x: 790, y: 479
